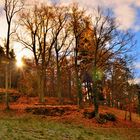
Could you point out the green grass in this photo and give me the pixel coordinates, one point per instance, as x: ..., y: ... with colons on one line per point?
x: 36, y: 128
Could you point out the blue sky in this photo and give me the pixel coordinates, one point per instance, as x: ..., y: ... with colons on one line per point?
x: 137, y: 52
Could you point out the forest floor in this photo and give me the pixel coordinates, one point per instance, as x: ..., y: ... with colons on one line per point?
x: 19, y: 124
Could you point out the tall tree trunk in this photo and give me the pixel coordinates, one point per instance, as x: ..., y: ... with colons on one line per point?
x: 109, y: 100
x: 95, y: 90
x: 40, y: 83
x: 42, y: 90
x: 69, y: 84
x: 112, y: 91
x: 125, y: 117
x: 53, y: 84
x: 78, y: 82
x: 79, y: 90
x: 7, y: 66
x: 130, y: 112
x: 8, y: 39
x: 10, y: 75
x: 59, y: 93
x: 6, y: 87
x: 138, y: 102
x: 95, y: 99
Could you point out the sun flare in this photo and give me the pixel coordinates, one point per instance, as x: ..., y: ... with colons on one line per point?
x: 19, y: 63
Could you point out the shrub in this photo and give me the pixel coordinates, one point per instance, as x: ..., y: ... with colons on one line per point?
x: 45, y: 111
x: 110, y: 117
x: 89, y: 115
x: 103, y: 118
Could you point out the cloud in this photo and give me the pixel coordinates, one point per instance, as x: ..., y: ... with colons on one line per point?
x: 137, y: 27
x: 137, y: 80
x: 137, y: 65
x: 126, y: 20
x: 137, y: 2
x: 3, y: 26
x: 134, y: 81
x: 124, y: 10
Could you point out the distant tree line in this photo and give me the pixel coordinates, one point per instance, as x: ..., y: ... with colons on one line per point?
x: 75, y: 55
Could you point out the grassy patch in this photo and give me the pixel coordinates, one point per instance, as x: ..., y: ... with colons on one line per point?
x: 36, y: 128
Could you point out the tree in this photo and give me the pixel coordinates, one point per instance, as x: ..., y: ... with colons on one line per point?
x: 37, y: 24
x: 2, y: 66
x: 11, y: 8
x: 61, y: 34
x: 121, y: 75
x: 78, y: 24
x: 107, y: 42
x: 138, y: 92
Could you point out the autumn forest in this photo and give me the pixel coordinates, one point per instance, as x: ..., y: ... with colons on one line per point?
x: 80, y: 71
